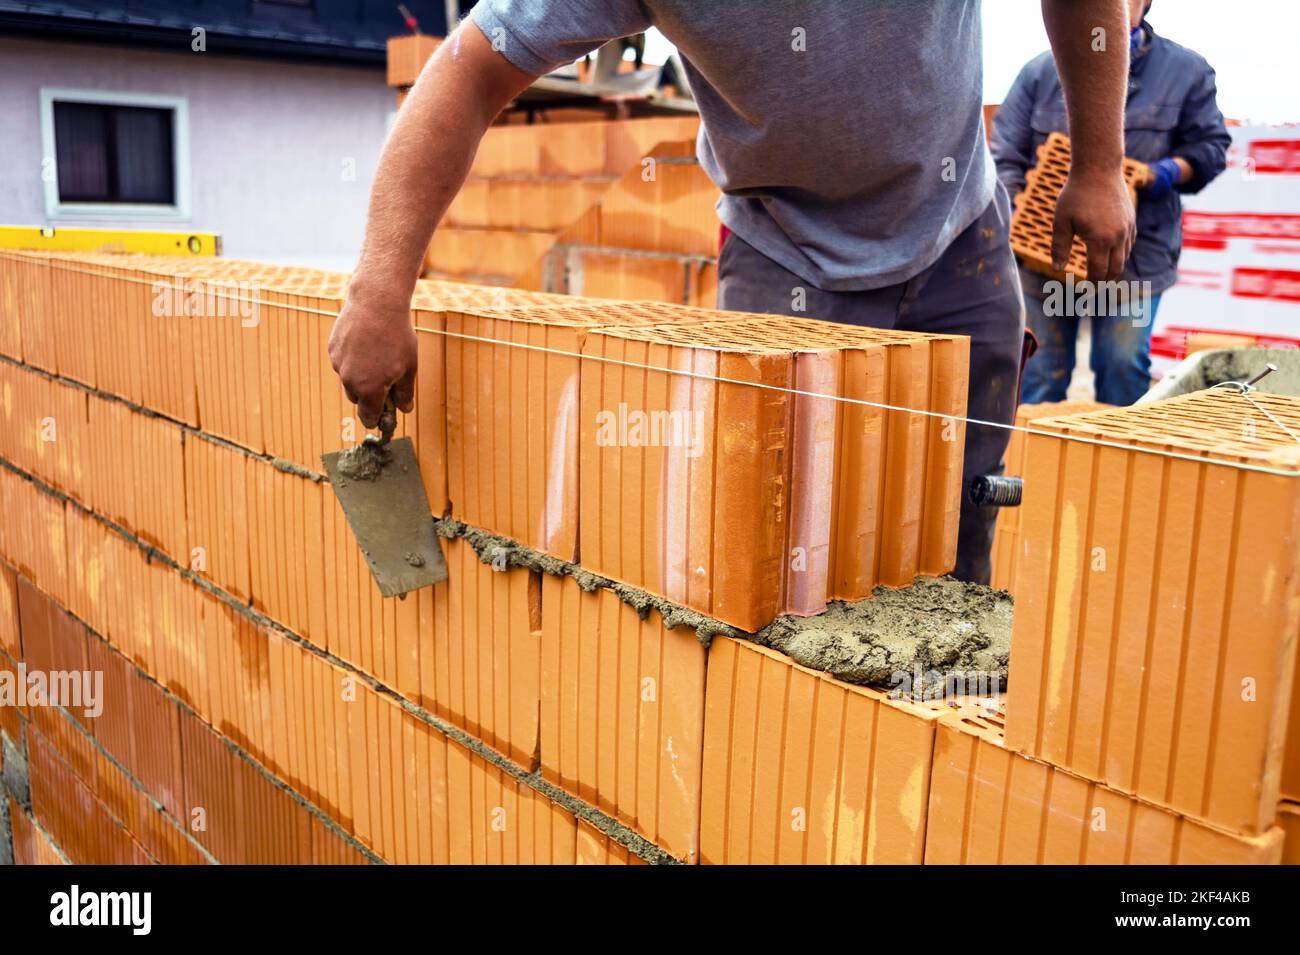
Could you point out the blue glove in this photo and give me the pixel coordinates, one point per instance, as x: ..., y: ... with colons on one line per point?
x: 1166, y: 175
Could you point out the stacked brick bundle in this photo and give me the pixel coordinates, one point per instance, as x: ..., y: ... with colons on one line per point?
x: 261, y: 702
x: 407, y: 56
x: 577, y: 203
x: 619, y: 209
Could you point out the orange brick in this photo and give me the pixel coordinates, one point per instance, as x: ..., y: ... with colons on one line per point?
x: 487, y: 656
x: 1035, y: 210
x: 989, y: 805
x: 74, y: 817
x: 9, y: 641
x: 1132, y: 584
x: 407, y: 56
x: 1006, y: 540
x: 703, y: 292
x: 624, y: 275
x: 572, y: 149
x: 32, y: 844
x: 512, y: 429
x: 802, y: 769
x: 471, y: 205
x: 508, y: 151
x: 12, y: 718
x: 1289, y: 787
x: 499, y: 254
x: 13, y: 270
x: 33, y: 536
x: 34, y: 312
x: 623, y: 712
x: 627, y: 141
x: 1205, y: 341
x: 596, y: 848
x: 663, y: 204
x: 653, y: 505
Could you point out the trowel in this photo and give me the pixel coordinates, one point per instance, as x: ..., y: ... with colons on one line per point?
x: 378, y: 483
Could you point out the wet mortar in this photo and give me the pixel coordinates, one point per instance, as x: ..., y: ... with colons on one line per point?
x: 911, y: 638
x: 502, y: 552
x: 364, y: 462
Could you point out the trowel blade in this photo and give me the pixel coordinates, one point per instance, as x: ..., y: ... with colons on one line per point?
x: 389, y: 516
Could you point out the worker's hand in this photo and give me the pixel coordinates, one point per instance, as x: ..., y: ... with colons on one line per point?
x: 1162, y: 177
x: 1097, y: 208
x: 373, y: 348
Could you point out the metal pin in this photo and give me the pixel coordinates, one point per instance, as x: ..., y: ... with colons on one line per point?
x: 1268, y: 370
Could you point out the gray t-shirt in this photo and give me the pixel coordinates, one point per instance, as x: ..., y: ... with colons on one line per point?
x: 847, y: 136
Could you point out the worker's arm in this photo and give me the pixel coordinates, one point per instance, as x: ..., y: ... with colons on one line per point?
x: 1202, y: 139
x: 1200, y: 144
x: 1090, y: 43
x: 423, y: 165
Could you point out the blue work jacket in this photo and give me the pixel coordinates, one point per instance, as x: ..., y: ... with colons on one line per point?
x: 1171, y: 111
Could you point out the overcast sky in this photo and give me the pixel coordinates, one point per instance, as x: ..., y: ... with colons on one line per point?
x: 1253, y: 45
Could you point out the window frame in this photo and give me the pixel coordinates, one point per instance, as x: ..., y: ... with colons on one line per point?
x: 55, y: 208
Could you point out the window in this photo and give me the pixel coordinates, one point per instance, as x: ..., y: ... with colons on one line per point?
x: 114, y: 154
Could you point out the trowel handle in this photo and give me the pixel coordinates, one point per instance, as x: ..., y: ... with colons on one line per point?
x: 387, y: 420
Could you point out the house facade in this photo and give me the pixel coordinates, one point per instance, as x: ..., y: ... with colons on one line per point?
x: 260, y: 121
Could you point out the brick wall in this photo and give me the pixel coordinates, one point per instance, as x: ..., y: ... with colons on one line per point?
x: 262, y: 702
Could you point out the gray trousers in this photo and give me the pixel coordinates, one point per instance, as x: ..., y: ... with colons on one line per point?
x: 974, y: 290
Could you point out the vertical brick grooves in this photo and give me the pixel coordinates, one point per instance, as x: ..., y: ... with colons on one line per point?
x: 1048, y: 594
x: 1140, y: 748
x: 1004, y: 821
x: 1086, y: 557
x: 814, y: 704
x: 1185, y: 649
x: 756, y: 701
x: 64, y: 797
x: 697, y: 548
x: 723, y: 856
x: 1222, y: 656
x: 485, y: 424
x: 780, y: 814
x: 867, y: 846
x: 1112, y: 677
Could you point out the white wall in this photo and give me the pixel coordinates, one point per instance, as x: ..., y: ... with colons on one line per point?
x: 268, y: 142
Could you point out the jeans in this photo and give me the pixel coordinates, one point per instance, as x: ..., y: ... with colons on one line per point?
x: 974, y: 290
x: 1121, y: 352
